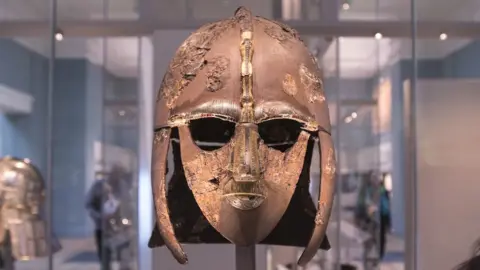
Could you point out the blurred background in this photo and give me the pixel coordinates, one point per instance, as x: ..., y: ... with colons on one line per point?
x: 78, y: 80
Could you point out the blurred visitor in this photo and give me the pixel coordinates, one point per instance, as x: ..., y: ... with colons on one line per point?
x: 372, y: 212
x: 385, y: 216
x: 366, y: 206
x: 103, y: 204
x: 97, y: 202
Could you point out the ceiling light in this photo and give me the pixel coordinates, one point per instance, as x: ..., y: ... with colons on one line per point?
x: 121, y: 113
x: 354, y: 115
x: 59, y: 35
x: 378, y: 35
x: 346, y: 6
x: 348, y: 119
x: 443, y: 36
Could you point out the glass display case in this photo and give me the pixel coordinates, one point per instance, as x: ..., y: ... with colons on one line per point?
x: 78, y: 81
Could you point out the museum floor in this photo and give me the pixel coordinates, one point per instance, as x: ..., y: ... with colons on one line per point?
x: 80, y: 255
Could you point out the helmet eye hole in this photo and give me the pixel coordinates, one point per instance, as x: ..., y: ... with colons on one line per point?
x: 211, y: 133
x: 280, y: 134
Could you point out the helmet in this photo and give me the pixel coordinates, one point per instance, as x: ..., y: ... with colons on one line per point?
x: 241, y: 104
x: 22, y: 192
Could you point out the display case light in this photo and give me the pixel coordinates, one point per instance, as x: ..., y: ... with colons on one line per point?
x: 59, y: 35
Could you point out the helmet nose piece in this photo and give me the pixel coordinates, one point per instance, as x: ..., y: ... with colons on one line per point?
x: 245, y: 201
x: 245, y: 195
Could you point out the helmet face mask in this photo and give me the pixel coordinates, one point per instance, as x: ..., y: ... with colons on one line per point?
x: 241, y: 106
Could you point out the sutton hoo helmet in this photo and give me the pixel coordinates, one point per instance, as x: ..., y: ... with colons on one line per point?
x: 241, y: 104
x: 22, y: 192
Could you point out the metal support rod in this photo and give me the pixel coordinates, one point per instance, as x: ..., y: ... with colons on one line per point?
x: 49, y: 133
x: 411, y: 243
x: 338, y: 208
x: 245, y: 257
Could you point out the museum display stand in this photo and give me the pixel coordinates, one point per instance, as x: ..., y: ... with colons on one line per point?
x: 244, y: 258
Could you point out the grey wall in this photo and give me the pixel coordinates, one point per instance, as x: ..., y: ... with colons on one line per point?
x: 447, y: 171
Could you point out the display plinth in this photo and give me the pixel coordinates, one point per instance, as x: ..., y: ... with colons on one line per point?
x: 245, y: 257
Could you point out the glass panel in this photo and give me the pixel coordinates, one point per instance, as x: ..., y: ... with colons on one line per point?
x: 119, y: 151
x: 95, y: 134
x: 77, y: 128
x: 446, y: 101
x: 328, y: 53
x: 24, y: 77
x: 371, y: 203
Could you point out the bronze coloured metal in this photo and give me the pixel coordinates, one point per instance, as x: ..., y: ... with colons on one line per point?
x: 258, y: 82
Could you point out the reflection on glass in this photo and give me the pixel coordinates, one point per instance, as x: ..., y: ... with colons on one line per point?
x: 365, y: 150
x: 119, y: 153
x: 95, y: 141
x: 23, y: 106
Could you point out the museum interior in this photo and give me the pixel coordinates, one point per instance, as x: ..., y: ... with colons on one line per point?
x: 78, y: 92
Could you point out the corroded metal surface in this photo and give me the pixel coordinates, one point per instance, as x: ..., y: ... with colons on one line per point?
x: 247, y: 71
x: 325, y: 203
x: 189, y: 60
x: 211, y: 177
x: 217, y: 73
x: 312, y: 84
x: 289, y: 85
